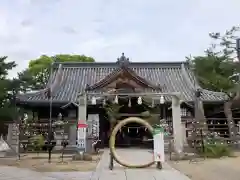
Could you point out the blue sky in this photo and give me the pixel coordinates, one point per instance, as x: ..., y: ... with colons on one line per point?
x: 146, y: 30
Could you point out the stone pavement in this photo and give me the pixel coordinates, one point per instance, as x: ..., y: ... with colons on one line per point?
x: 102, y: 172
x: 135, y: 156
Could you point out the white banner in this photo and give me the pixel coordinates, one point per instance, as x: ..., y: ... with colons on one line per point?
x: 93, y: 122
x: 81, y: 135
x: 81, y: 138
x: 158, y: 140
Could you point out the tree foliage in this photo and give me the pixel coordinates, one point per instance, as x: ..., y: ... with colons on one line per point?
x: 216, y: 68
x: 37, y: 73
x: 219, y: 70
x: 6, y: 89
x: 214, y: 72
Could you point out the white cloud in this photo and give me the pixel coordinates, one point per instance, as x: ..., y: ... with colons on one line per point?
x: 153, y: 30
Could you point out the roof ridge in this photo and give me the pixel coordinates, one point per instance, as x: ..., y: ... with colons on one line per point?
x: 107, y: 64
x: 57, y: 81
x: 196, y: 86
x: 131, y: 62
x: 187, y: 78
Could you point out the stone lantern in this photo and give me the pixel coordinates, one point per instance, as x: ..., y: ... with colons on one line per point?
x: 59, y: 132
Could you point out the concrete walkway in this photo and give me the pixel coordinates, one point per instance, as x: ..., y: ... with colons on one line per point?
x: 134, y: 156
x: 102, y: 172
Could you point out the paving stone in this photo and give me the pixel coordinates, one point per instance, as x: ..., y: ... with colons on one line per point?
x: 136, y: 156
x: 102, y: 172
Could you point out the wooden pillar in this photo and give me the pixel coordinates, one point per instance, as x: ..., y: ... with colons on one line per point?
x: 184, y: 132
x: 177, y: 125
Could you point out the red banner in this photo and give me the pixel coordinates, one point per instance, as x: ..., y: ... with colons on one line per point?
x: 81, y: 124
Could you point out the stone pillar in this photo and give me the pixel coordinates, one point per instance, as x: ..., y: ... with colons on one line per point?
x: 238, y: 132
x: 82, y: 116
x: 177, y: 125
x: 58, y: 137
x: 72, y: 135
x: 9, y: 135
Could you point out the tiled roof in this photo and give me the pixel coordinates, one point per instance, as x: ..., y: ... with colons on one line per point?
x: 171, y: 76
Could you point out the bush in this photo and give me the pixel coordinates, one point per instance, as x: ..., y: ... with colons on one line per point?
x: 215, y: 146
x: 217, y: 150
x: 37, y: 142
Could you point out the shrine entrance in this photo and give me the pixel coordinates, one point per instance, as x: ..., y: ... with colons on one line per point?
x: 123, y: 93
x: 114, y: 106
x: 132, y: 134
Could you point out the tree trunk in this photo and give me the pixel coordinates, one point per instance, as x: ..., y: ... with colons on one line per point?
x: 200, y: 116
x: 201, y: 121
x: 229, y: 116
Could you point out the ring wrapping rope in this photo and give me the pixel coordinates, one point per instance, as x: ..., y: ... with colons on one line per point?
x: 113, y: 139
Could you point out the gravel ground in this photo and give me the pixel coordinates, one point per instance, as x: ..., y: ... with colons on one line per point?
x: 219, y: 169
x: 40, y: 163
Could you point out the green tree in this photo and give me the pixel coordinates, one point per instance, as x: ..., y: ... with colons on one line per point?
x: 112, y: 110
x: 215, y: 69
x: 6, y: 86
x: 213, y: 72
x: 37, y: 73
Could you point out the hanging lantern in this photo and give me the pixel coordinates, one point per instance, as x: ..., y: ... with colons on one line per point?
x: 129, y: 102
x: 139, y: 100
x: 116, y: 100
x: 162, y: 100
x: 104, y: 101
x: 25, y: 116
x: 94, y: 101
x: 128, y: 130
x: 60, y: 116
x: 137, y: 130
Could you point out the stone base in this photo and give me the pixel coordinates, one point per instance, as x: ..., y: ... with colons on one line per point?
x: 82, y: 157
x: 3, y: 154
x: 68, y: 150
x: 183, y: 156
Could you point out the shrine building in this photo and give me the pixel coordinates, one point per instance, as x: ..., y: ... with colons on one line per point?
x: 70, y: 80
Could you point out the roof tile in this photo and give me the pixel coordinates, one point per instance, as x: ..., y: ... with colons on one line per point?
x: 170, y: 76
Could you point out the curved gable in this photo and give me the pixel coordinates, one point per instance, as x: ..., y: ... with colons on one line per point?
x: 122, y: 75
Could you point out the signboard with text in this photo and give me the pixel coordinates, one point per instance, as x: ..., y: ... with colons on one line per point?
x: 81, y: 135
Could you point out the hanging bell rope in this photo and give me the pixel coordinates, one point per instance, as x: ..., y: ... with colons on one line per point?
x: 152, y: 102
